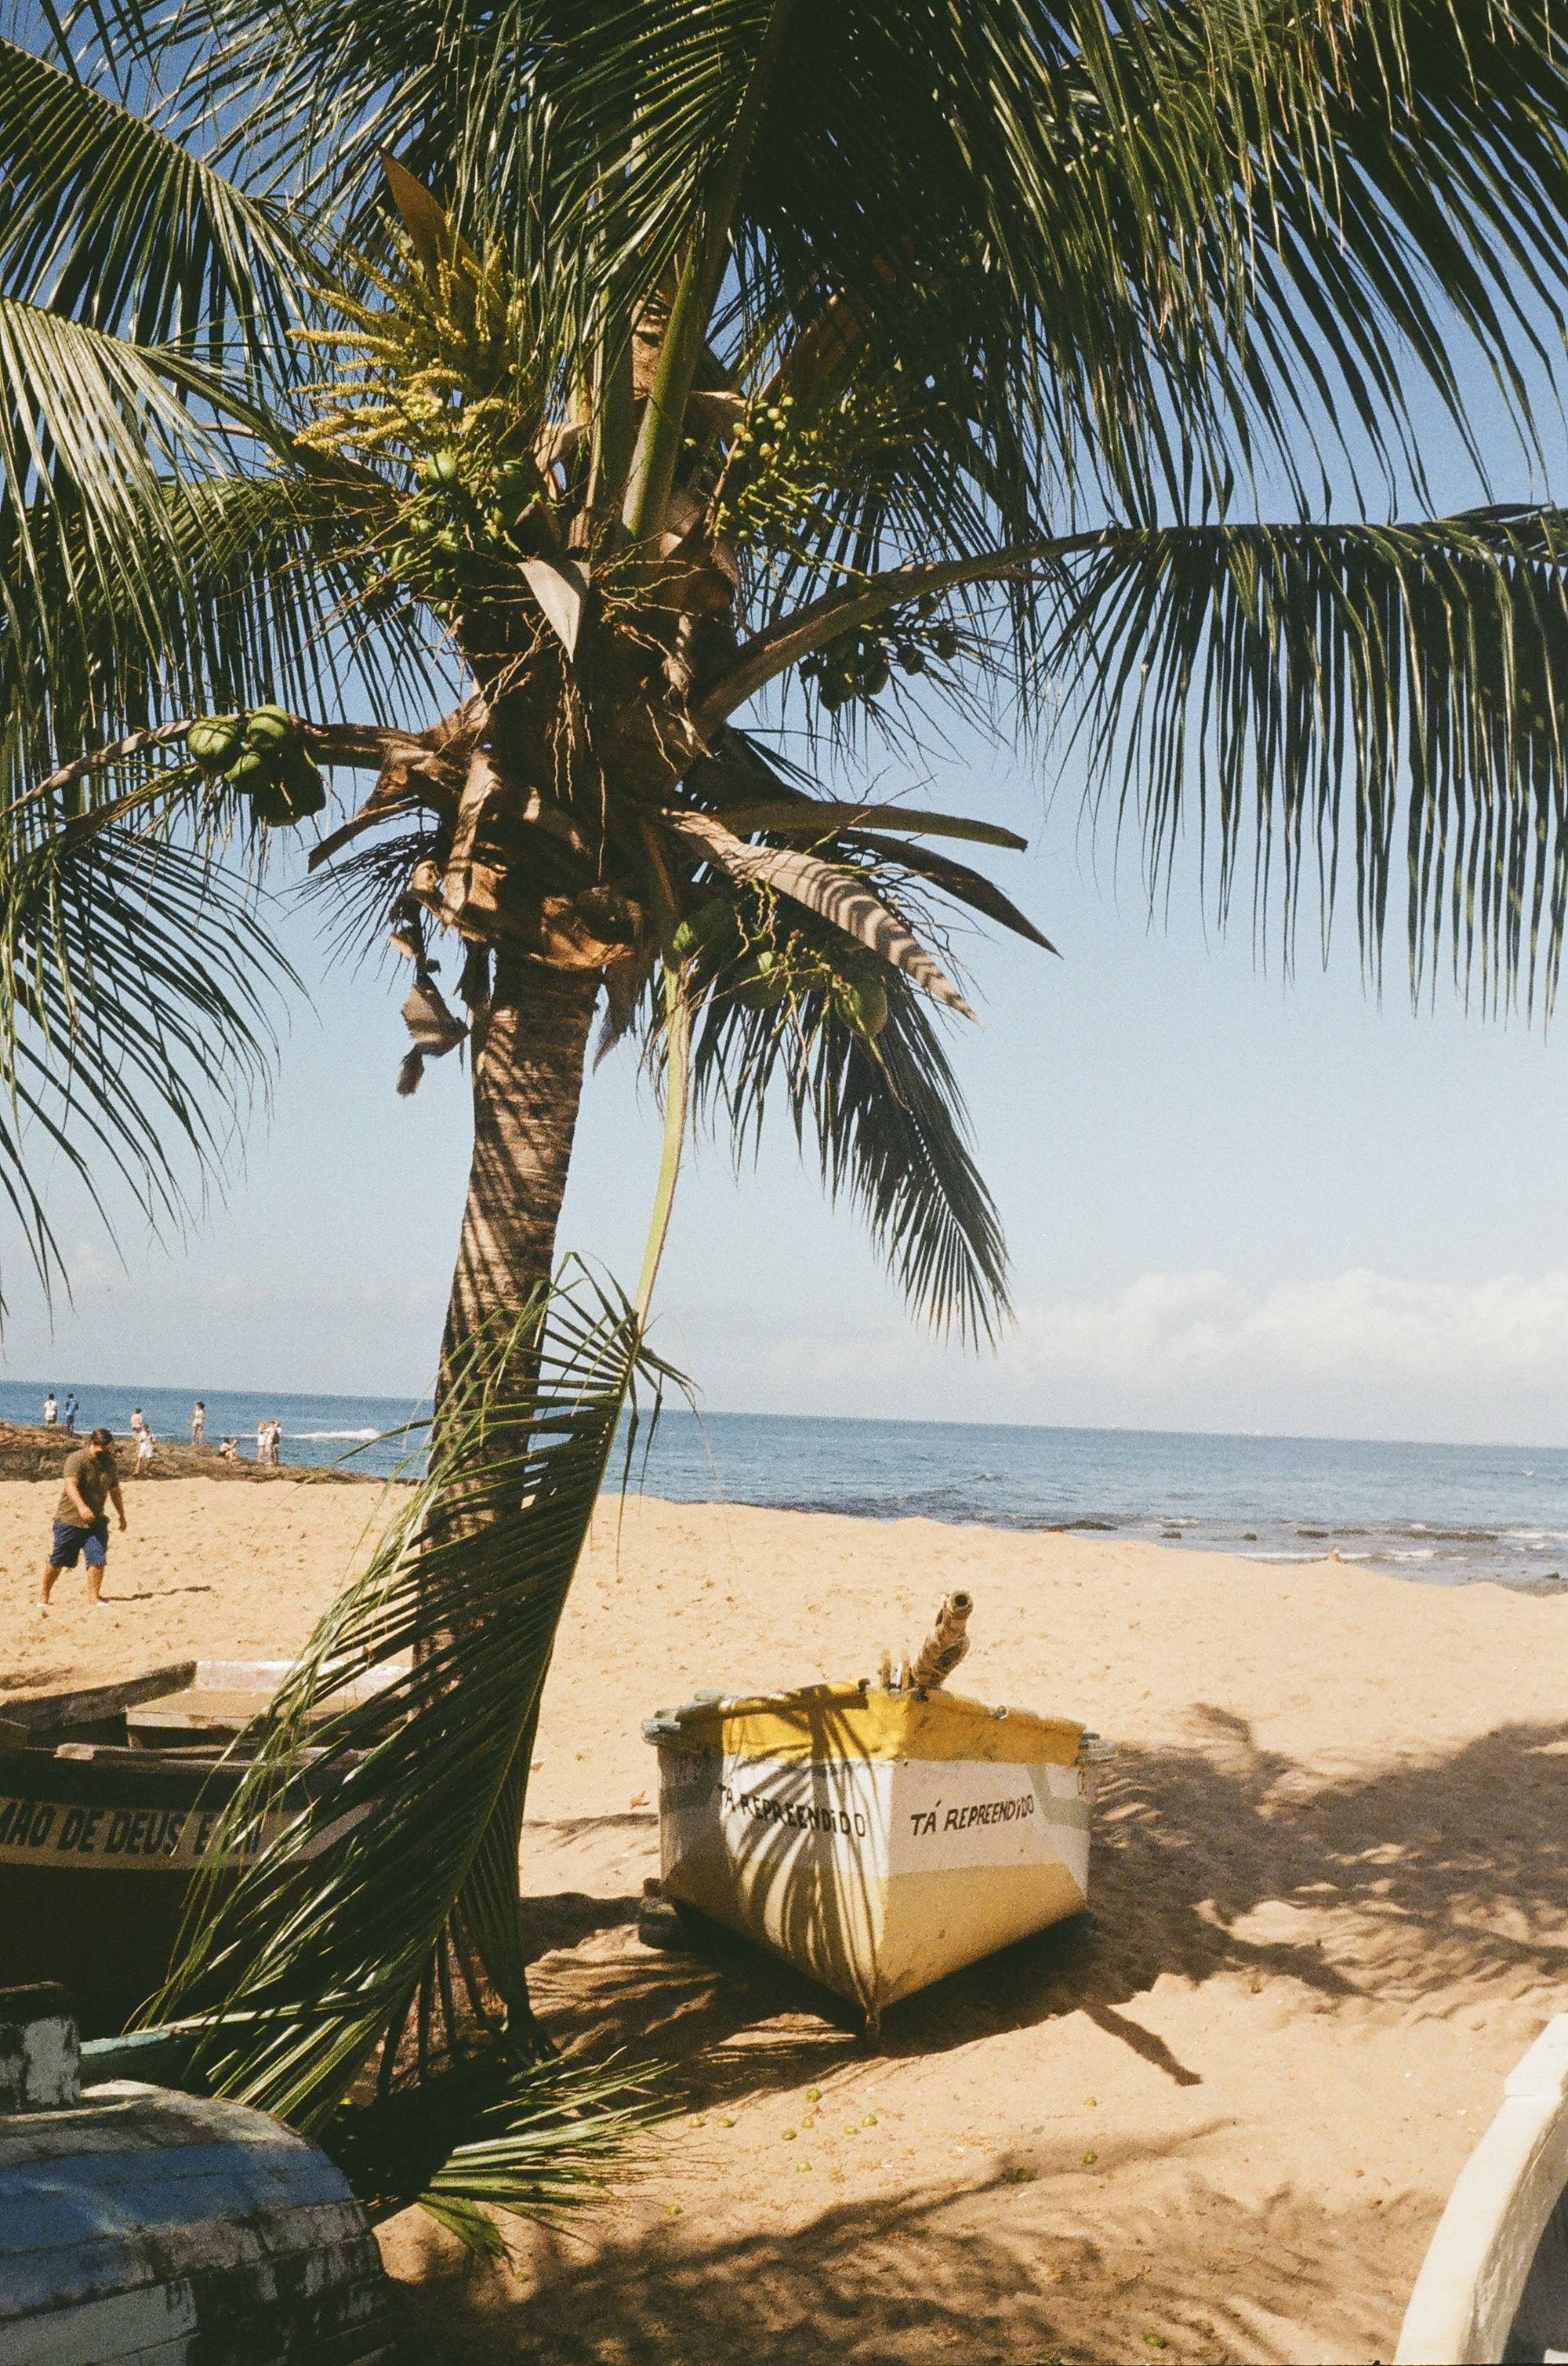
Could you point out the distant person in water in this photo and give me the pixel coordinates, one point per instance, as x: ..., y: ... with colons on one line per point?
x: 145, y: 1442
x: 198, y: 1423
x: 51, y: 1411
x: 90, y: 1481
x: 73, y: 1407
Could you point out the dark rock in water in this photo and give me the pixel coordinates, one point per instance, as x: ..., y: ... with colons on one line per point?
x: 1552, y: 1582
x: 28, y: 1450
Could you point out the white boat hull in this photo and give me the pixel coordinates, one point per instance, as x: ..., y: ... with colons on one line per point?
x: 875, y: 1841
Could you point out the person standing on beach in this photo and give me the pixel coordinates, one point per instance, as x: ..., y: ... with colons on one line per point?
x: 90, y: 1481
x: 137, y: 1422
x: 51, y: 1411
x: 145, y: 1442
x: 198, y: 1422
x: 264, y: 1437
x: 73, y: 1407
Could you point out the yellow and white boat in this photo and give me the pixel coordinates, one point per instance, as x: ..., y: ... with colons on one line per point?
x: 877, y: 1838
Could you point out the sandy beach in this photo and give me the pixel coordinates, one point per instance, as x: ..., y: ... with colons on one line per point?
x: 1217, y: 2117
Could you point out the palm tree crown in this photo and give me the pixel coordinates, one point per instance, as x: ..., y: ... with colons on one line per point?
x: 847, y: 349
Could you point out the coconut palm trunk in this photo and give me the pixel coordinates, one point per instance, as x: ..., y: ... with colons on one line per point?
x: 529, y: 1047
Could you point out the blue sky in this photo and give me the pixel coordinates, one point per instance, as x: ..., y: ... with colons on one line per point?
x: 1233, y: 1202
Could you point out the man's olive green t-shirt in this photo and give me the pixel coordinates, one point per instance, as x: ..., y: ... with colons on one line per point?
x: 92, y: 1474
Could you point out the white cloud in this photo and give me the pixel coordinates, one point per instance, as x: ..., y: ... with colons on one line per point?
x: 1358, y: 1353
x: 1186, y: 1326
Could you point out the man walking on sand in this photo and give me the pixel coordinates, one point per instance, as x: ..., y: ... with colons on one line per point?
x: 81, y: 1524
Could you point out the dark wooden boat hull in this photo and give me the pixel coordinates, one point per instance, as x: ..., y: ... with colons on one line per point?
x: 97, y: 1854
x: 110, y: 1797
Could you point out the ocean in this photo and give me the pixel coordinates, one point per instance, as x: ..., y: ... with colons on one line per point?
x: 1442, y: 1515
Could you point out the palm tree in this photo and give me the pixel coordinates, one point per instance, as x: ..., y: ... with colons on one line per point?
x: 499, y: 397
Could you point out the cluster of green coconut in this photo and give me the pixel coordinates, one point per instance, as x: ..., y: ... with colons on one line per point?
x: 860, y: 662
x: 462, y: 510
x: 262, y: 754
x: 761, y: 972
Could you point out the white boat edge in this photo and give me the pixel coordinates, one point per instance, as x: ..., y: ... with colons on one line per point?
x: 1473, y: 2276
x: 267, y: 1675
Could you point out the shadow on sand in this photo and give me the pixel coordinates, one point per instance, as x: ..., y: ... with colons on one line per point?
x: 1416, y: 1889
x: 989, y: 2274
x: 1419, y: 1886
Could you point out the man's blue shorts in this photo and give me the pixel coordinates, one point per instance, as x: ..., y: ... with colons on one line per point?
x: 92, y: 1543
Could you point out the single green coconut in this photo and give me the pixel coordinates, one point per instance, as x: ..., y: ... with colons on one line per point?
x: 706, y: 927
x: 251, y: 771
x: 866, y: 1006
x: 213, y: 740
x: 271, y: 730
x: 765, y: 982
x: 300, y: 778
x: 272, y: 804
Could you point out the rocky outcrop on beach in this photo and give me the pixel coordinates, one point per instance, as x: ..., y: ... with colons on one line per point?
x: 28, y: 1450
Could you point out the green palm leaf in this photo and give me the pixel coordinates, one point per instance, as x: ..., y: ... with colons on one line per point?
x: 1394, y: 689
x: 98, y: 415
x: 246, y: 587
x: 113, y: 222
x: 136, y: 990
x: 393, y: 1883
x: 885, y: 1121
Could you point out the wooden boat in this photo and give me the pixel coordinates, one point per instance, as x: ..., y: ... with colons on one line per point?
x: 1493, y: 2289
x: 109, y: 1797
x: 877, y: 1839
x: 143, y: 2228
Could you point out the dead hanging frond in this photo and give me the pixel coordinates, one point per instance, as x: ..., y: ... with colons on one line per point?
x: 435, y: 1027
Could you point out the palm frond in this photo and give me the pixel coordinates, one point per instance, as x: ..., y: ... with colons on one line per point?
x: 956, y: 879
x: 739, y: 778
x: 113, y: 222
x: 350, y: 1903
x: 137, y: 982
x: 231, y: 588
x: 93, y: 420
x: 841, y: 894
x: 1393, y: 692
x: 823, y: 817
x: 533, y: 2141
x: 887, y: 1124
